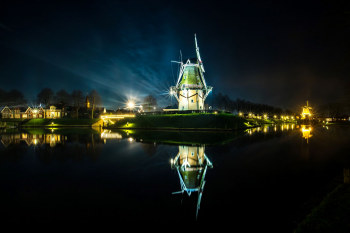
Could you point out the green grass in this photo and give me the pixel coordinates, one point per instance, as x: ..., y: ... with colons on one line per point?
x: 332, y: 215
x: 60, y: 122
x: 193, y: 121
x: 11, y: 119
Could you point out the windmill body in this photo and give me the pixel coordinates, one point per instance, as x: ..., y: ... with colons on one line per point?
x: 191, y: 164
x: 191, y: 89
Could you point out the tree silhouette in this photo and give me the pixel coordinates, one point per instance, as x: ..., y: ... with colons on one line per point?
x: 150, y: 102
x: 46, y: 96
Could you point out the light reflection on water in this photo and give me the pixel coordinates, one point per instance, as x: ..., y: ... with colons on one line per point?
x: 259, y: 169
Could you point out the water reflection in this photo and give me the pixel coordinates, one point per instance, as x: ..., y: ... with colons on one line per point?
x: 306, y: 130
x: 32, y: 139
x: 191, y: 164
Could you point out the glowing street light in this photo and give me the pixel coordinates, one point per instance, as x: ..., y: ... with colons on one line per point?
x: 130, y: 105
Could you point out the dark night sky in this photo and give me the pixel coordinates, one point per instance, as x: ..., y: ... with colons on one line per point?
x: 280, y: 54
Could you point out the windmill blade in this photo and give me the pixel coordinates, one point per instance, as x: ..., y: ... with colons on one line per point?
x: 198, y: 204
x: 177, y: 192
x: 198, y: 54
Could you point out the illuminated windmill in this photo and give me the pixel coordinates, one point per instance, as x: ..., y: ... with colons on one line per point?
x: 191, y: 164
x: 306, y: 111
x: 306, y: 130
x: 191, y: 89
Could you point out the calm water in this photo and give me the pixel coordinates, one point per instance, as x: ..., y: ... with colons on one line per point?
x: 257, y: 179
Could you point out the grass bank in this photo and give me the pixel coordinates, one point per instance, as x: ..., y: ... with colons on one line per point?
x: 332, y: 215
x: 60, y: 122
x: 10, y: 121
x: 341, y: 123
x: 184, y: 121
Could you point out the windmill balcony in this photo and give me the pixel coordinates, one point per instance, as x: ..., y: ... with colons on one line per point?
x: 191, y: 86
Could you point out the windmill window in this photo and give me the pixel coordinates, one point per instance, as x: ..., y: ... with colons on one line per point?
x: 192, y: 100
x: 192, y: 153
x: 198, y: 177
x: 185, y: 177
x: 185, y: 77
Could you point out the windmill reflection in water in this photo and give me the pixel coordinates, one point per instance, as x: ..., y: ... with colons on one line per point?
x: 191, y: 164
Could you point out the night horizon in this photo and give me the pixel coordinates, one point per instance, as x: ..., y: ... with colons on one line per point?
x: 275, y: 54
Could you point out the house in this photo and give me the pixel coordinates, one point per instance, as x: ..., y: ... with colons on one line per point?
x: 53, y: 112
x: 6, y: 112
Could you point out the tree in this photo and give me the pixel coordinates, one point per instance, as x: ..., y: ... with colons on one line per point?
x: 15, y: 97
x: 78, y: 100
x: 3, y: 97
x: 150, y: 102
x: 46, y: 96
x: 63, y: 97
x: 95, y: 100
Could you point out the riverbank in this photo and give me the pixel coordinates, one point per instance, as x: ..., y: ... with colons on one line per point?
x: 335, y: 123
x: 194, y: 121
x: 333, y: 212
x: 61, y: 122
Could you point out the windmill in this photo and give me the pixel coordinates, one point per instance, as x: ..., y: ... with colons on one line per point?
x: 306, y: 111
x: 191, y: 164
x: 191, y: 90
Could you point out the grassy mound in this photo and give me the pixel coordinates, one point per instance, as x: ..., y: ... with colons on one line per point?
x: 332, y: 215
x: 192, y: 121
x: 60, y: 122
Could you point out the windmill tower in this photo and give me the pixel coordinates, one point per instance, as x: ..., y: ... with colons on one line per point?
x: 191, y: 89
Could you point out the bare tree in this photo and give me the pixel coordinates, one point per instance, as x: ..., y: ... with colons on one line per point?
x: 63, y: 97
x: 3, y: 97
x: 150, y: 102
x: 15, y: 97
x: 46, y: 96
x: 95, y: 100
x: 78, y: 100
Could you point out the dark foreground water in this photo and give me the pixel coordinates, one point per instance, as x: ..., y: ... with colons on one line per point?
x: 258, y: 180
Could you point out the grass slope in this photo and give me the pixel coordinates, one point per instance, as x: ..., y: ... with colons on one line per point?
x: 61, y: 122
x: 332, y: 215
x: 200, y: 121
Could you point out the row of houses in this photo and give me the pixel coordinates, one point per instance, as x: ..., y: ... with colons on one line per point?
x: 35, y: 112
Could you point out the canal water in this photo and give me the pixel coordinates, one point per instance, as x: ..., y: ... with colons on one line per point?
x: 256, y: 179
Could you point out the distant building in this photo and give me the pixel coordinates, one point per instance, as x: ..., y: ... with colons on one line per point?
x: 174, y: 107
